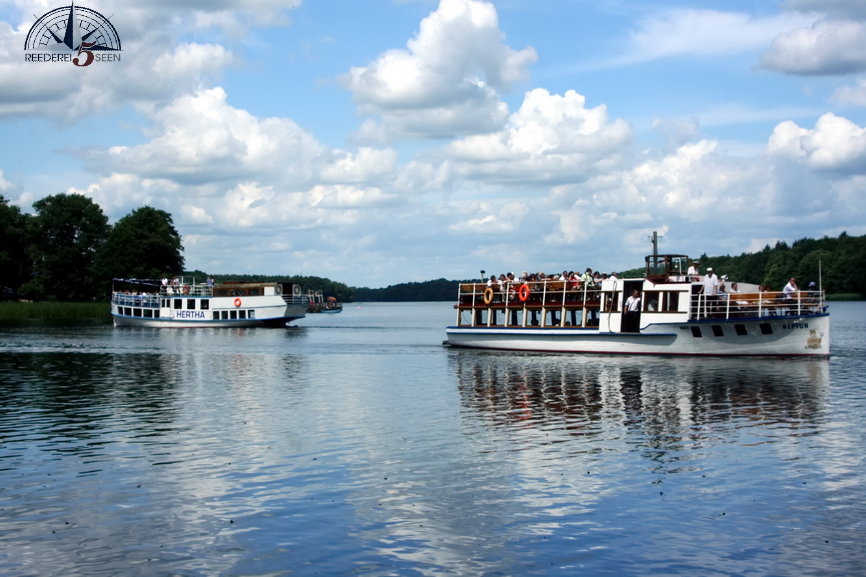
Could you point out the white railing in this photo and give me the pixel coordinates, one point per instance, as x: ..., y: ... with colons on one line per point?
x: 760, y: 304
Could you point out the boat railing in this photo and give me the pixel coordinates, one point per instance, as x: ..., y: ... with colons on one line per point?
x: 128, y: 299
x: 538, y: 293
x: 758, y: 304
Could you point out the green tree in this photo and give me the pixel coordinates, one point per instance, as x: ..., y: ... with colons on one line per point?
x: 69, y: 230
x: 142, y: 244
x: 14, y: 242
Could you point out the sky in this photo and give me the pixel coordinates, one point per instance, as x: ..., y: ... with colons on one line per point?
x: 385, y: 141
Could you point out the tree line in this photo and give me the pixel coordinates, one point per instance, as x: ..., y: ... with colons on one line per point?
x: 431, y: 290
x: 67, y: 250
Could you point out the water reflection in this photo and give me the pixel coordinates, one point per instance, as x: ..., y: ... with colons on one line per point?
x: 64, y: 402
x: 664, y: 401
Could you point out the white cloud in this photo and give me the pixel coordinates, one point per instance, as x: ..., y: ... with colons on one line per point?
x: 507, y: 218
x: 200, y: 138
x: 835, y: 144
x: 551, y: 138
x: 706, y: 32
x: 855, y: 95
x: 827, y: 47
x: 444, y: 82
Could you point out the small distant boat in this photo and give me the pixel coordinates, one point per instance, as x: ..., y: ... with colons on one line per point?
x: 319, y: 304
x: 185, y: 303
x: 673, y: 318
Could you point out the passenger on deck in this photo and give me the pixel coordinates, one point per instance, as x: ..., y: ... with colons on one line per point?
x: 694, y: 271
x: 709, y: 287
x: 587, y: 278
x: 790, y: 289
x: 710, y: 284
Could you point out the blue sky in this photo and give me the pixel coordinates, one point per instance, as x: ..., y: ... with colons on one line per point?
x: 380, y: 142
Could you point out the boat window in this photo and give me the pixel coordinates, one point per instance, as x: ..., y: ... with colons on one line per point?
x: 254, y: 292
x: 242, y: 314
x: 148, y: 313
x: 127, y: 311
x: 136, y: 312
x: 741, y: 330
x: 651, y: 301
x: 225, y: 315
x: 251, y: 314
x: 679, y: 265
x: 696, y: 332
x: 718, y: 331
x: 233, y: 314
x: 216, y: 315
x: 656, y: 266
x: 671, y: 301
x: 611, y: 302
x: 766, y: 329
x: 156, y: 314
x: 238, y: 292
x: 205, y: 304
x: 190, y: 304
x: 178, y: 303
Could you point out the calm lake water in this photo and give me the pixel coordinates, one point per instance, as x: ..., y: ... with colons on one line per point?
x: 357, y: 444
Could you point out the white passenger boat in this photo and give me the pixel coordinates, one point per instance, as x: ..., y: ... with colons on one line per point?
x: 675, y: 318
x: 185, y: 303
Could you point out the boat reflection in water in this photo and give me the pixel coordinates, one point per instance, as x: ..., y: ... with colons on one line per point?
x: 655, y: 402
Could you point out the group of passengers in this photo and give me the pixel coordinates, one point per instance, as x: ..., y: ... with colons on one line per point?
x: 716, y: 293
x: 134, y: 293
x: 507, y: 283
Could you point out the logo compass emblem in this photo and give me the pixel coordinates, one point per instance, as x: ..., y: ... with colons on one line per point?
x: 72, y: 34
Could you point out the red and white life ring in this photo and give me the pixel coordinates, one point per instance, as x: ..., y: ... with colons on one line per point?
x: 523, y: 294
x: 237, y: 302
x: 185, y: 289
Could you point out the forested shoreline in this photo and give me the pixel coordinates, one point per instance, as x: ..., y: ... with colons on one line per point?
x: 67, y: 251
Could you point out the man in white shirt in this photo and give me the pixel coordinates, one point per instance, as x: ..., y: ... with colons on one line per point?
x: 710, y: 286
x: 694, y: 273
x: 711, y: 283
x: 632, y: 312
x: 790, y: 289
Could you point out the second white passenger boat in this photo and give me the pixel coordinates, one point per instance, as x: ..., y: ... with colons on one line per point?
x: 185, y: 303
x: 675, y: 318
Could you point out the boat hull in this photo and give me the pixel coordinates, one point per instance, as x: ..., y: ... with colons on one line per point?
x: 807, y: 335
x: 278, y: 322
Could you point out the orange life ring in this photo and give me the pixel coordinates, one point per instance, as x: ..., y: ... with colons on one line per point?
x: 185, y: 289
x: 488, y: 295
x: 523, y: 294
x: 237, y: 302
